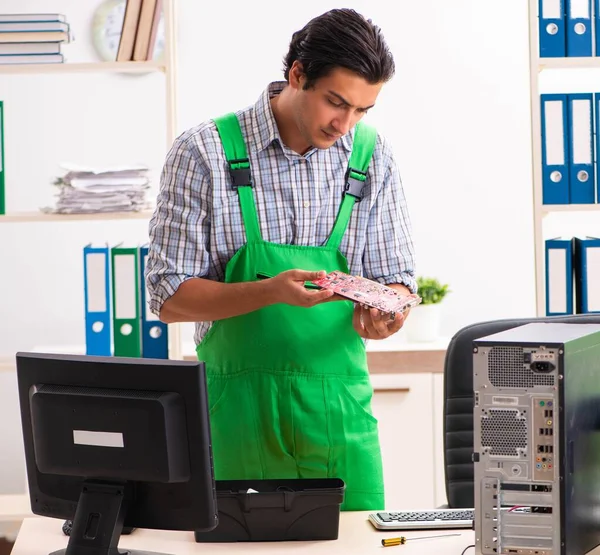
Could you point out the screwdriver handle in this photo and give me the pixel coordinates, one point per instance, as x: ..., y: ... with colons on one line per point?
x: 401, y: 540
x: 388, y: 542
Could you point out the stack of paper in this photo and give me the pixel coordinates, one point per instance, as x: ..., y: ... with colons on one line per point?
x: 88, y: 190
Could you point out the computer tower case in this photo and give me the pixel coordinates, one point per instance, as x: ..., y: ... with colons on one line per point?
x: 537, y: 440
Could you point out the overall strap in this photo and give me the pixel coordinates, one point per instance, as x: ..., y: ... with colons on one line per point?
x: 234, y: 146
x: 363, y: 146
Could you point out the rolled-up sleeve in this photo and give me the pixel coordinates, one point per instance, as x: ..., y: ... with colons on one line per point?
x: 180, y: 226
x: 389, y: 252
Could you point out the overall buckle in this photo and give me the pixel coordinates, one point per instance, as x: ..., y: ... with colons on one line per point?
x: 239, y: 170
x: 355, y: 183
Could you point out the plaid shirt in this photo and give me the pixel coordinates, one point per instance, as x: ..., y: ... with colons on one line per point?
x: 197, y: 225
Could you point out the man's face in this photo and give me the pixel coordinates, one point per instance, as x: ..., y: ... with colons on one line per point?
x: 332, y: 106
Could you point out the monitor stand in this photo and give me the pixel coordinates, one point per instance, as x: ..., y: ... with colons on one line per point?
x: 98, y: 522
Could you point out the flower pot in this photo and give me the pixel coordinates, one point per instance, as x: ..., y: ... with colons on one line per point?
x: 424, y: 323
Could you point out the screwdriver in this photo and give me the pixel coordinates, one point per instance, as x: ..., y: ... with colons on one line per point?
x: 389, y: 542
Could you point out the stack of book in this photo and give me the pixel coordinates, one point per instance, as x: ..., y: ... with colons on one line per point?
x: 32, y: 38
x: 85, y: 190
x: 140, y: 30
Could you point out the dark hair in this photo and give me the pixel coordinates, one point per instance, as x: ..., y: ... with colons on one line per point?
x: 340, y: 38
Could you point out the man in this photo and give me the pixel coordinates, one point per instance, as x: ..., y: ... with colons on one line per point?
x: 254, y: 206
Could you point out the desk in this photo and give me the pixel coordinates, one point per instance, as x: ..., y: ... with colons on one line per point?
x: 40, y: 536
x: 388, y: 356
x: 13, y: 509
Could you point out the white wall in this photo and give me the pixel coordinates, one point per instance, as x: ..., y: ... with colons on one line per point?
x: 457, y: 113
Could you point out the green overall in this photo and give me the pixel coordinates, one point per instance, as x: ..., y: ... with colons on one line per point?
x: 289, y: 389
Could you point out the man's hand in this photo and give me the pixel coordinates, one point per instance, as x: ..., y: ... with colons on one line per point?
x: 288, y: 287
x: 370, y: 323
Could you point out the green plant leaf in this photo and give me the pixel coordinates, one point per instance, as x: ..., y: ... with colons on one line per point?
x: 431, y: 290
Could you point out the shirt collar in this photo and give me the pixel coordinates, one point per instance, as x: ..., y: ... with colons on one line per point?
x: 264, y: 125
x: 265, y: 129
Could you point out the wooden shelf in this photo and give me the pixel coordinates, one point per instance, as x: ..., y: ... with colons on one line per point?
x: 23, y: 217
x: 569, y: 63
x: 549, y: 208
x: 85, y: 67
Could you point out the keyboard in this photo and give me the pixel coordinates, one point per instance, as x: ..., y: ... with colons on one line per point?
x: 423, y: 520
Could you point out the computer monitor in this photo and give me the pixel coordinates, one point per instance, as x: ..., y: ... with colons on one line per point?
x: 113, y: 442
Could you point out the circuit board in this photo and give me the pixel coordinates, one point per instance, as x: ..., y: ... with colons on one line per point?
x: 367, y: 292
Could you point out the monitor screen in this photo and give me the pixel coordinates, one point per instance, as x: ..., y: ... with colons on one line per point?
x: 113, y: 442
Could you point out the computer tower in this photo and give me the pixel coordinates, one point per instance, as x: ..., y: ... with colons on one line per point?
x: 537, y: 440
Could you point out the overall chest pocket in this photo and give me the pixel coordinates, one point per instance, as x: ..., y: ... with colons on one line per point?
x: 267, y: 275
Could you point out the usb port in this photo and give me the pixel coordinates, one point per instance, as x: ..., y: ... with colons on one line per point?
x: 545, y: 510
x: 541, y: 431
x: 541, y: 488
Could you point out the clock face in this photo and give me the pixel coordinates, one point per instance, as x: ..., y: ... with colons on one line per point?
x: 107, y: 24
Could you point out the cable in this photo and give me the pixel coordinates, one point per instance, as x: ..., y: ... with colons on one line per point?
x: 466, y: 548
x: 520, y: 509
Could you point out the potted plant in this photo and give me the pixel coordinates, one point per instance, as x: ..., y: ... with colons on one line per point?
x: 424, y: 322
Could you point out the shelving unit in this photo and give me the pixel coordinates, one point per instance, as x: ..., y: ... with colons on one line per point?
x: 540, y: 210
x: 167, y: 67
x: 550, y: 208
x: 26, y: 217
x: 120, y: 67
x: 562, y: 63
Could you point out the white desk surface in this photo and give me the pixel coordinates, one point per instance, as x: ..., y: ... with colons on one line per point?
x: 14, y: 507
x: 40, y: 536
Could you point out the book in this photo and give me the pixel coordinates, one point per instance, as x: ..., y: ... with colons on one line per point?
x: 15, y: 48
x: 145, y: 38
x: 31, y: 59
x: 33, y: 26
x: 34, y: 17
x: 35, y: 36
x: 2, y: 172
x: 130, y: 25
